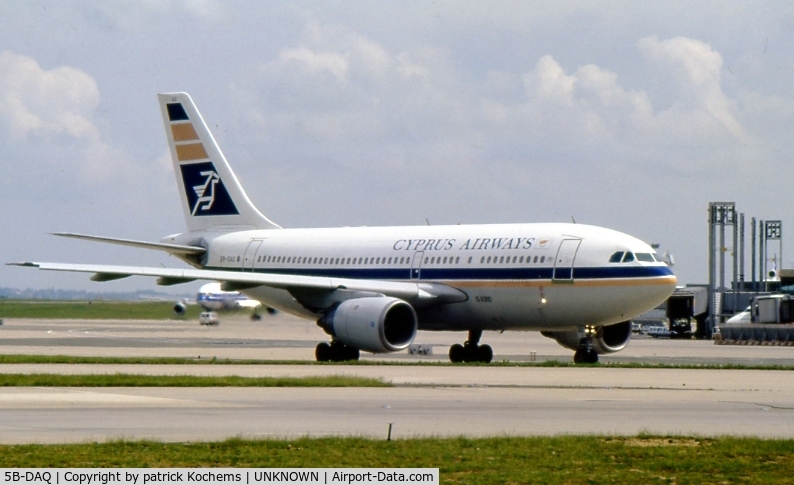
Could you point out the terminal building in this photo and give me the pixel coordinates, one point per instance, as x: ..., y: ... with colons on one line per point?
x: 758, y: 309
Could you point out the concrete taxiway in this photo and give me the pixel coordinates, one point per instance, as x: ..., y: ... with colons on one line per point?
x: 426, y: 400
x: 283, y: 337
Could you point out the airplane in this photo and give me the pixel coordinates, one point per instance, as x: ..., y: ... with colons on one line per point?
x: 372, y: 288
x: 212, y: 298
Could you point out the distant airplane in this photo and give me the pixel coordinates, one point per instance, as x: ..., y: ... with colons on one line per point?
x: 212, y: 298
x: 372, y: 288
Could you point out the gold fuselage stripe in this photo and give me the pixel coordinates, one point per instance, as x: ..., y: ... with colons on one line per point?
x: 666, y: 280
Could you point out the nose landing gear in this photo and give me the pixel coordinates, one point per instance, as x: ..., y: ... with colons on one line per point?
x: 586, y: 354
x: 470, y: 351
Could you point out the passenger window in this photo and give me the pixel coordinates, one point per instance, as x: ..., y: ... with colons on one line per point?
x: 629, y: 257
x: 489, y: 259
x: 426, y: 259
x: 536, y: 259
x: 644, y: 257
x: 542, y: 259
x: 521, y: 259
x: 482, y: 259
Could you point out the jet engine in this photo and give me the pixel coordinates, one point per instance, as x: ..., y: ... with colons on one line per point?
x: 608, y: 339
x: 179, y: 308
x: 377, y: 324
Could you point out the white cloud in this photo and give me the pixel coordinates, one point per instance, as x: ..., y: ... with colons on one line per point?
x: 35, y: 102
x: 314, y: 63
x: 55, y: 108
x: 696, y: 73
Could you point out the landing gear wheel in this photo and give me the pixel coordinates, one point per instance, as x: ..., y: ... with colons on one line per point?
x: 585, y: 356
x: 341, y: 352
x: 471, y: 351
x: 484, y: 354
x: 335, y: 352
x: 323, y: 352
x: 457, y: 354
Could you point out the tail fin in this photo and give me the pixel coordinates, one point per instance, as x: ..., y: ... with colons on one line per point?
x: 212, y: 197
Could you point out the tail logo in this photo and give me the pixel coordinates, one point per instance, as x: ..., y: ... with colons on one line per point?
x: 209, y: 196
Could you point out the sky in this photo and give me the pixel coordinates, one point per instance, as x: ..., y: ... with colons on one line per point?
x: 630, y: 115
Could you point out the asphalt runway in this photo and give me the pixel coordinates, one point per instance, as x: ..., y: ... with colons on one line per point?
x: 426, y: 400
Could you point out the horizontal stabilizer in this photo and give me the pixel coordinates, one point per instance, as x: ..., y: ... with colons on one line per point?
x: 169, y: 248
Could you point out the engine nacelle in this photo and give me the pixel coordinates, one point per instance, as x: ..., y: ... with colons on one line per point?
x: 377, y: 324
x: 608, y: 339
x: 179, y: 308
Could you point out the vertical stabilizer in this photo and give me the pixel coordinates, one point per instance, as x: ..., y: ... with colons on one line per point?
x: 212, y: 197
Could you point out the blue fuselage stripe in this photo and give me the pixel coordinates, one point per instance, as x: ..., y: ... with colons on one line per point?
x: 452, y: 274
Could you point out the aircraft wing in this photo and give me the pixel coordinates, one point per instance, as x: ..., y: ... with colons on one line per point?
x: 315, y: 292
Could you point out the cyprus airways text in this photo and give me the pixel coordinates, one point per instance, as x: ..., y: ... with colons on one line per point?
x: 470, y: 244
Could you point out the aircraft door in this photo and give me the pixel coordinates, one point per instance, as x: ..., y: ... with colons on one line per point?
x: 563, y: 263
x: 249, y: 258
x: 416, y: 265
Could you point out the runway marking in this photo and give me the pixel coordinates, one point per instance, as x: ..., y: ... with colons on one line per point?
x: 783, y: 408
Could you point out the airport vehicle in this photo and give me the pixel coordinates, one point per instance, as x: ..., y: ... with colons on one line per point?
x: 659, y: 332
x: 208, y: 318
x: 741, y: 317
x: 372, y: 288
x: 778, y: 308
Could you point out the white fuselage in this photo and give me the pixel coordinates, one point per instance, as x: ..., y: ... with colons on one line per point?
x: 514, y: 276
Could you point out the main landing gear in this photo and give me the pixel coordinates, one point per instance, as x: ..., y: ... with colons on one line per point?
x: 586, y: 354
x: 335, y: 352
x: 471, y: 351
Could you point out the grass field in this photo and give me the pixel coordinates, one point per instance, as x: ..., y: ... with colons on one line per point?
x: 74, y: 359
x: 93, y: 310
x: 133, y: 380
x: 545, y: 460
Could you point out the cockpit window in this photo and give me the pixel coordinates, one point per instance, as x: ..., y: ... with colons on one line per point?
x: 629, y: 257
x: 645, y: 257
x: 617, y: 257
